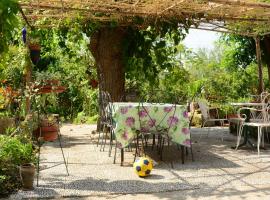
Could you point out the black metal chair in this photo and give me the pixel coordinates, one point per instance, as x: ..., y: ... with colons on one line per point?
x: 106, y: 122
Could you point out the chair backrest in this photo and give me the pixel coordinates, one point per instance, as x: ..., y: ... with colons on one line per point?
x: 106, y: 107
x: 204, y: 109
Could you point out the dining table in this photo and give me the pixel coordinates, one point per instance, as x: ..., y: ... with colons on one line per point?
x: 131, y: 117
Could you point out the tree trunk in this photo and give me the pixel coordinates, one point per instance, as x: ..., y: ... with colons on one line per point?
x: 106, y: 47
x: 259, y: 61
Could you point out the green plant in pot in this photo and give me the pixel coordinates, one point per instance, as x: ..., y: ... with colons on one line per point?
x: 27, y: 166
x: 16, y: 151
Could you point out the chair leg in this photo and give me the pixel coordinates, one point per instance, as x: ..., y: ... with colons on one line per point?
x: 98, y: 138
x: 102, y: 138
x: 136, y: 147
x: 143, y: 145
x: 146, y: 140
x: 111, y: 142
x: 106, y: 135
x: 262, y: 137
x: 154, y: 141
x: 183, y: 154
x: 240, y: 130
x: 122, y: 156
x: 114, y: 158
x: 161, y: 148
x: 259, y: 140
x: 191, y: 152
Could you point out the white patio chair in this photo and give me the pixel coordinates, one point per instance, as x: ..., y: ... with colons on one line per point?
x: 206, y: 117
x: 259, y: 118
x: 259, y: 123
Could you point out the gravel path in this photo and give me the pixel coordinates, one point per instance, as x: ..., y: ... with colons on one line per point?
x: 218, y: 171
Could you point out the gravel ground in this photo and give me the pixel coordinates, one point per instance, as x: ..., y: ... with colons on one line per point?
x: 218, y: 171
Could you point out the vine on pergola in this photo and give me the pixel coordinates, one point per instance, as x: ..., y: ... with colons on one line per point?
x: 248, y: 18
x: 215, y: 15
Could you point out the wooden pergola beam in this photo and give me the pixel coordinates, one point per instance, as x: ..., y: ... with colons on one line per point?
x: 241, y: 3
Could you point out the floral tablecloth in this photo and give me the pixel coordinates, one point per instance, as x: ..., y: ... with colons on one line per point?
x: 130, y: 117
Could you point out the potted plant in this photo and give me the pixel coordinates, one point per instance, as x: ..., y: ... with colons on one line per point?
x: 27, y: 174
x: 48, y: 128
x: 47, y: 83
x: 34, y: 46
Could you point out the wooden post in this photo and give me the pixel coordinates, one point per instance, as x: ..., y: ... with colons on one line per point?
x: 259, y: 61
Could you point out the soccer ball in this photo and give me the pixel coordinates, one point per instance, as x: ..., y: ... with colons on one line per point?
x: 143, y: 166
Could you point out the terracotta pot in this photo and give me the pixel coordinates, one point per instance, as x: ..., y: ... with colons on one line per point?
x: 94, y: 83
x: 50, y: 89
x: 34, y: 53
x: 232, y: 116
x: 27, y: 174
x: 52, y: 82
x: 48, y: 135
x: 34, y: 46
x: 48, y: 130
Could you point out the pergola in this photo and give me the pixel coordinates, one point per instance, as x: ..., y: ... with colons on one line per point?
x: 214, y: 15
x: 248, y: 18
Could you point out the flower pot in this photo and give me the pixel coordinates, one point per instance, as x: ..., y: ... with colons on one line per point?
x: 45, y: 89
x: 94, y: 83
x: 48, y: 133
x: 27, y: 174
x: 34, y: 53
x: 48, y: 130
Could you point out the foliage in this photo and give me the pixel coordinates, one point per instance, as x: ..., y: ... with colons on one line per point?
x: 146, y: 52
x: 13, y: 153
x: 61, y: 58
x: 244, y: 51
x: 8, y: 20
x: 222, y: 80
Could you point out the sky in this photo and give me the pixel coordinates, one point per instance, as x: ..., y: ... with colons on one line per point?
x: 200, y: 39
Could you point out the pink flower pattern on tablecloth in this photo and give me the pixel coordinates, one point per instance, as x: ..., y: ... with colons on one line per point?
x: 142, y: 113
x: 185, y: 131
x: 125, y: 135
x: 144, y: 129
x: 172, y: 121
x: 178, y: 122
x: 124, y: 110
x: 152, y: 123
x: 187, y: 142
x: 185, y: 114
x: 167, y: 109
x: 130, y: 121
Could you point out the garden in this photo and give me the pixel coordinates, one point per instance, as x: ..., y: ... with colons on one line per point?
x: 55, y: 74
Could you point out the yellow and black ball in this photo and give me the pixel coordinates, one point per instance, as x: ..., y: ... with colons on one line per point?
x: 143, y: 166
